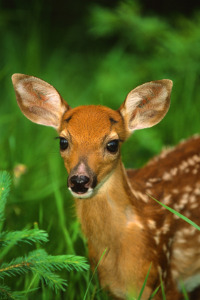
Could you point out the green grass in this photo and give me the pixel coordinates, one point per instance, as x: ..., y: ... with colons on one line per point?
x: 120, y: 49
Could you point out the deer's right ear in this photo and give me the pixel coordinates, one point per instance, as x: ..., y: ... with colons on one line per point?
x: 146, y: 105
x: 38, y: 100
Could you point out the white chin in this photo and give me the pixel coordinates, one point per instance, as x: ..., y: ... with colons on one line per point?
x: 86, y: 195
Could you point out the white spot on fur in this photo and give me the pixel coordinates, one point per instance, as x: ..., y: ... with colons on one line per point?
x: 141, y: 196
x: 175, y: 191
x: 164, y: 248
x: 192, y: 199
x: 148, y: 184
x: 165, y: 274
x: 159, y: 270
x: 165, y: 228
x: 155, y: 180
x: 177, y: 252
x: 175, y: 274
x: 167, y: 199
x: 184, y: 200
x: 186, y: 231
x: 191, y: 162
x: 176, y: 206
x: 181, y: 241
x: 151, y: 224
x: 132, y: 219
x: 166, y: 151
x: 187, y: 189
x: 157, y: 239
x: 167, y: 176
x: 196, y: 158
x: 176, y: 217
x: 174, y: 171
x: 183, y: 165
x: 148, y: 191
x: 194, y: 205
x: 193, y: 230
x: 197, y: 191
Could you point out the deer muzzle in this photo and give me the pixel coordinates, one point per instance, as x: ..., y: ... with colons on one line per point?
x: 81, y: 181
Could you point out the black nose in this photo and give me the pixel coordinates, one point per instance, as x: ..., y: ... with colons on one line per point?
x: 78, y: 184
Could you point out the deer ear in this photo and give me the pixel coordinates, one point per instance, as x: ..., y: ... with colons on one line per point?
x: 147, y: 104
x: 38, y: 100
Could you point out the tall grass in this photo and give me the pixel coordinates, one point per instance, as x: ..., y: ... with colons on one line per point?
x: 98, y: 59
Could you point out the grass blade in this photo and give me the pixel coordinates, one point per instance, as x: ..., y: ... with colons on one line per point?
x: 154, y: 293
x: 144, y: 284
x: 177, y: 213
x: 104, y: 252
x: 162, y: 289
x: 183, y: 289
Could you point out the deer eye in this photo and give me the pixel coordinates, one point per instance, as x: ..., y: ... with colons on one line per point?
x: 113, y: 146
x: 63, y: 143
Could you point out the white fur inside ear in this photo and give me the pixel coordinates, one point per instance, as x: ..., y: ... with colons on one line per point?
x: 37, y: 91
x: 39, y: 101
x: 134, y: 98
x: 146, y: 105
x: 132, y: 101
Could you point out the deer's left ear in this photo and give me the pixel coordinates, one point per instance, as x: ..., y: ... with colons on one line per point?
x: 39, y: 101
x: 146, y: 105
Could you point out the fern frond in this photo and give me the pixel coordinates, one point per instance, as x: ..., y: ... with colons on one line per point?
x: 28, y: 236
x: 16, y: 267
x: 44, y: 265
x: 52, y: 280
x: 22, y: 265
x: 7, y: 294
x: 58, y: 262
x: 68, y: 262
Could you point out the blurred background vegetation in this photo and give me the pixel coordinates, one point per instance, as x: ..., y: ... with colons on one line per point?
x: 93, y: 52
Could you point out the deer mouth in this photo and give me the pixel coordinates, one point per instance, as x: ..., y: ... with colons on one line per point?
x: 87, y: 193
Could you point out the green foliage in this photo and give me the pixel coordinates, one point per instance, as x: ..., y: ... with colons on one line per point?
x: 5, y: 182
x: 42, y: 265
x: 27, y: 236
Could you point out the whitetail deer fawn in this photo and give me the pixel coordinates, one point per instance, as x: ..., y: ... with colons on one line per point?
x: 113, y: 205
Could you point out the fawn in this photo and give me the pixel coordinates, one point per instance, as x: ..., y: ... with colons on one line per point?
x: 113, y: 205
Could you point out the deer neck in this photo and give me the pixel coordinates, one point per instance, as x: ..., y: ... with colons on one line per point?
x: 106, y: 215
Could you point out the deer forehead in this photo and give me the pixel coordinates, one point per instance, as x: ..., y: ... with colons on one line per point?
x: 92, y: 124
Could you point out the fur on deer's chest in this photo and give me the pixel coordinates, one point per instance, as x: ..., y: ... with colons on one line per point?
x: 123, y: 237
x: 99, y: 223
